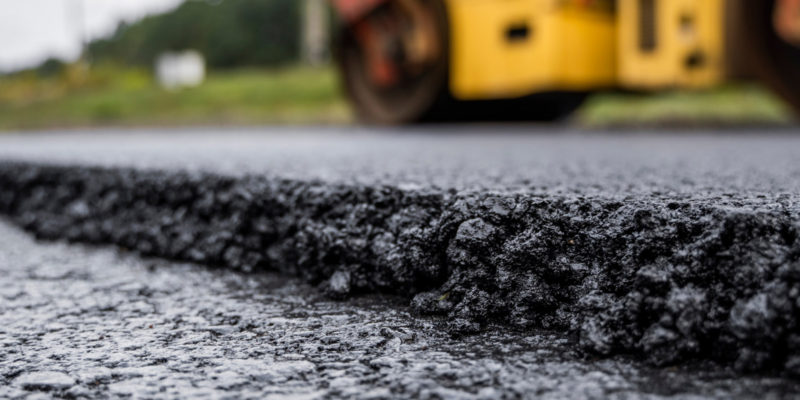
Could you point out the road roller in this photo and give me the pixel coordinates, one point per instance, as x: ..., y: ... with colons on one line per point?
x: 409, y: 61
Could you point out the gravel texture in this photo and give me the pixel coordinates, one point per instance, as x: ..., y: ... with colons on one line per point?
x: 671, y: 249
x: 78, y: 322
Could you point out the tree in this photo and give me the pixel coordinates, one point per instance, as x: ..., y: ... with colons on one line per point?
x: 229, y: 33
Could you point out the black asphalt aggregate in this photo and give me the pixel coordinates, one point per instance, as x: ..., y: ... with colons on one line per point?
x: 79, y: 322
x: 670, y: 251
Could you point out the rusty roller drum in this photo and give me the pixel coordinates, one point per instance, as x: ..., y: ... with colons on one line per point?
x: 394, y: 63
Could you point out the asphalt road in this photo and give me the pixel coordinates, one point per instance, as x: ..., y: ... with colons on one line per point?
x: 502, y: 158
x: 81, y: 322
x: 535, y: 263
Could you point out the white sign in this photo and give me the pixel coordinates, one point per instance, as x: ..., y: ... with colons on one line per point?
x: 181, y: 70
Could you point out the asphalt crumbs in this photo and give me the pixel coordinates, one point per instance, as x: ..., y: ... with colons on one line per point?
x: 545, y: 263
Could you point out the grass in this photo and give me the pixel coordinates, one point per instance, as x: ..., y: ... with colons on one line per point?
x: 733, y: 104
x: 113, y: 97
x: 108, y: 96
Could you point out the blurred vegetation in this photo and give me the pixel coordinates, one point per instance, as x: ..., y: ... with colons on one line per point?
x: 106, y: 95
x: 734, y: 104
x: 229, y: 33
x: 112, y: 96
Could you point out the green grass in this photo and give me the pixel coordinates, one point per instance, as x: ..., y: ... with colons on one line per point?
x: 734, y: 104
x: 108, y: 96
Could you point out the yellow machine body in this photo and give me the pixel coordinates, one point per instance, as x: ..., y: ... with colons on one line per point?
x: 512, y: 48
x: 671, y: 43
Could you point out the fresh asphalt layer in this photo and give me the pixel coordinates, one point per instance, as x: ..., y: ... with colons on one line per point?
x: 79, y: 322
x: 637, y: 264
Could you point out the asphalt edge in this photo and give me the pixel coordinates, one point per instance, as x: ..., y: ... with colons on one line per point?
x: 662, y: 279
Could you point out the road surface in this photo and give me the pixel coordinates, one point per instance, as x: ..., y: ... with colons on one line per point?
x: 518, y: 262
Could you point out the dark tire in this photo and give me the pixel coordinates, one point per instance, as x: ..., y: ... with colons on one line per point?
x: 416, y: 100
x: 427, y: 97
x: 773, y: 61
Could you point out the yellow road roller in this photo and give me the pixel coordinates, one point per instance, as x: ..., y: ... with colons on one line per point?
x: 406, y: 61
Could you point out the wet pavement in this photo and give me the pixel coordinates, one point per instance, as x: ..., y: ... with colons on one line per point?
x: 524, y: 262
x: 493, y: 157
x: 80, y: 322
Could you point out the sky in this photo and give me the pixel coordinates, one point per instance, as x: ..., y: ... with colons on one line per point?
x: 33, y: 30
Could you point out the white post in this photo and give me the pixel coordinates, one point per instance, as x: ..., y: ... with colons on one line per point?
x: 315, y: 32
x: 76, y: 17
